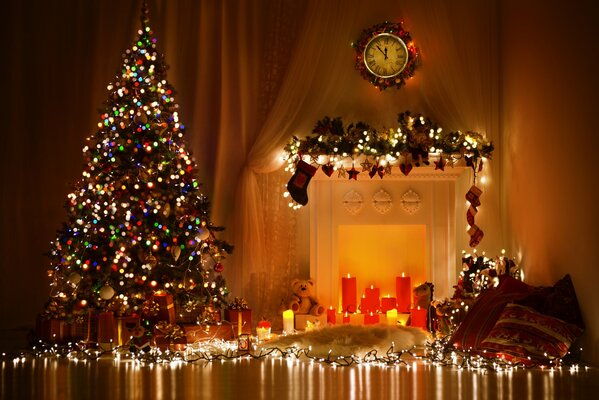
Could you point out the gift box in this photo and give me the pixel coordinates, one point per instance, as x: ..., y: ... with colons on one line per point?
x: 127, y: 328
x: 301, y: 321
x: 166, y: 310
x: 169, y: 337
x: 240, y: 317
x: 183, y: 316
x: 92, y: 325
x: 51, y: 330
x: 197, y: 333
x: 107, y: 330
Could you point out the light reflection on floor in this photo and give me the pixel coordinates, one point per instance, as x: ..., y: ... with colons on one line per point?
x: 282, y: 378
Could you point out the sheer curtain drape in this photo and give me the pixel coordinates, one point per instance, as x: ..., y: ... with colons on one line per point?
x: 249, y: 74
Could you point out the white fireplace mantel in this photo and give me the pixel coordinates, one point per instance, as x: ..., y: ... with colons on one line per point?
x: 440, y: 207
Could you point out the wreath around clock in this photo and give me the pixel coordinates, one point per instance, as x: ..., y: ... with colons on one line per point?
x: 366, y: 36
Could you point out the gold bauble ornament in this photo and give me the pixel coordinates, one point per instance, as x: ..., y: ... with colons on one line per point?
x: 202, y: 234
x: 176, y: 252
x: 151, y: 261
x: 74, y: 278
x: 106, y: 292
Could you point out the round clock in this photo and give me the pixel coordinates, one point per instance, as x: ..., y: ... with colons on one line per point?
x: 386, y: 55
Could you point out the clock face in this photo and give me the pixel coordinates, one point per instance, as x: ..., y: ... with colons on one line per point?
x: 385, y: 55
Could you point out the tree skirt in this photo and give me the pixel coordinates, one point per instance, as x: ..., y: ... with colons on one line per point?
x: 346, y: 340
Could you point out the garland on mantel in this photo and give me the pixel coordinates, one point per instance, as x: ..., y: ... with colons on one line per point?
x: 415, y: 142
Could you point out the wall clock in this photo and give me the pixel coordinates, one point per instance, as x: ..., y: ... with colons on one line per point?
x: 386, y: 55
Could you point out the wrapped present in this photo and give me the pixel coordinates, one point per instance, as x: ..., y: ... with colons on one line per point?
x: 107, y: 330
x: 169, y: 336
x: 127, y: 328
x: 185, y: 316
x: 166, y: 308
x: 302, y: 320
x: 240, y: 319
x: 51, y: 330
x: 92, y: 325
x: 197, y: 333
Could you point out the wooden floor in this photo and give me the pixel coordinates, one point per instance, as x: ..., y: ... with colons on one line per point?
x: 282, y: 379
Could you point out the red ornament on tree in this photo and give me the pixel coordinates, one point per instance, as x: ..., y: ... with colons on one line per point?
x: 218, y: 267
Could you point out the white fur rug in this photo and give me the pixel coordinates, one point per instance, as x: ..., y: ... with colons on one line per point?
x: 346, y: 340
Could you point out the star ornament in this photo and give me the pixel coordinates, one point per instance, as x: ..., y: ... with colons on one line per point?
x: 353, y: 174
x: 366, y: 165
x: 341, y: 172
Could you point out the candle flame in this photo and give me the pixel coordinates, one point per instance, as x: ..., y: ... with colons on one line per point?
x: 348, y: 276
x: 403, y: 274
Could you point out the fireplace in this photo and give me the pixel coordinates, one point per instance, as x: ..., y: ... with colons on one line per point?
x: 376, y: 229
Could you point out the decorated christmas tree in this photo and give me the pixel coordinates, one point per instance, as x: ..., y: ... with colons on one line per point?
x: 137, y: 222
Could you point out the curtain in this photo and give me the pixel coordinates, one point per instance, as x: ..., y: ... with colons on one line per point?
x: 249, y: 75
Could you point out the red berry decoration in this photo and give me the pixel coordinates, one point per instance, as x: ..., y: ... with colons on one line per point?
x: 218, y: 267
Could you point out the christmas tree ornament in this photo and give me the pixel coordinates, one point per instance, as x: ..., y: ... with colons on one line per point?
x: 151, y: 261
x: 218, y: 267
x: 202, y: 234
x: 106, y: 292
x: 176, y: 252
x: 298, y: 184
x: 74, y: 278
x: 353, y: 173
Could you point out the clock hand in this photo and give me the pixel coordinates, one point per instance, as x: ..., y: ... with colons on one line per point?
x: 384, y: 52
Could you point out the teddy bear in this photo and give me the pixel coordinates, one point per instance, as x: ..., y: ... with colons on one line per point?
x: 303, y: 300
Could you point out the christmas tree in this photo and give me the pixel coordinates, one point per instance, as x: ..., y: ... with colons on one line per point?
x: 137, y: 221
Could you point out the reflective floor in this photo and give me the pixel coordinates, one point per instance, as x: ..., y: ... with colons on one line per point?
x: 282, y: 379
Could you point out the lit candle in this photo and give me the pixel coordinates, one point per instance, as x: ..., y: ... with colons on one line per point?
x: 239, y: 322
x: 403, y: 292
x: 373, y: 298
x: 392, y: 317
x: 371, y: 319
x: 388, y: 303
x: 418, y: 317
x: 288, y: 322
x: 331, y: 316
x: 349, y: 293
x: 346, y: 318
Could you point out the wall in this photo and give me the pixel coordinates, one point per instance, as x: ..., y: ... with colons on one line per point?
x: 549, y: 64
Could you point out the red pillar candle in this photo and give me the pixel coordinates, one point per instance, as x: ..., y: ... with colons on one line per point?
x: 403, y: 291
x: 388, y: 303
x: 373, y: 296
x: 346, y: 318
x: 349, y: 293
x: 371, y: 319
x: 331, y: 316
x: 364, y: 305
x: 418, y: 317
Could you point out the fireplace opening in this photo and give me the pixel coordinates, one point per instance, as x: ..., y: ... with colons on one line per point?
x: 377, y: 254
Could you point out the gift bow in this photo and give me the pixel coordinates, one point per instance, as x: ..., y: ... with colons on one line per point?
x: 239, y: 304
x: 169, y: 331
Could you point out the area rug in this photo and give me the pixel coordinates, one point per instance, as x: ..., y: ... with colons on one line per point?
x: 346, y: 340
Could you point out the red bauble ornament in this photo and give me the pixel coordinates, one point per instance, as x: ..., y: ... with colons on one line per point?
x: 218, y: 267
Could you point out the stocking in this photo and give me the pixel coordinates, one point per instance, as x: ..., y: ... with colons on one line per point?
x: 476, y: 235
x: 298, y: 184
x: 473, y: 195
x: 470, y: 213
